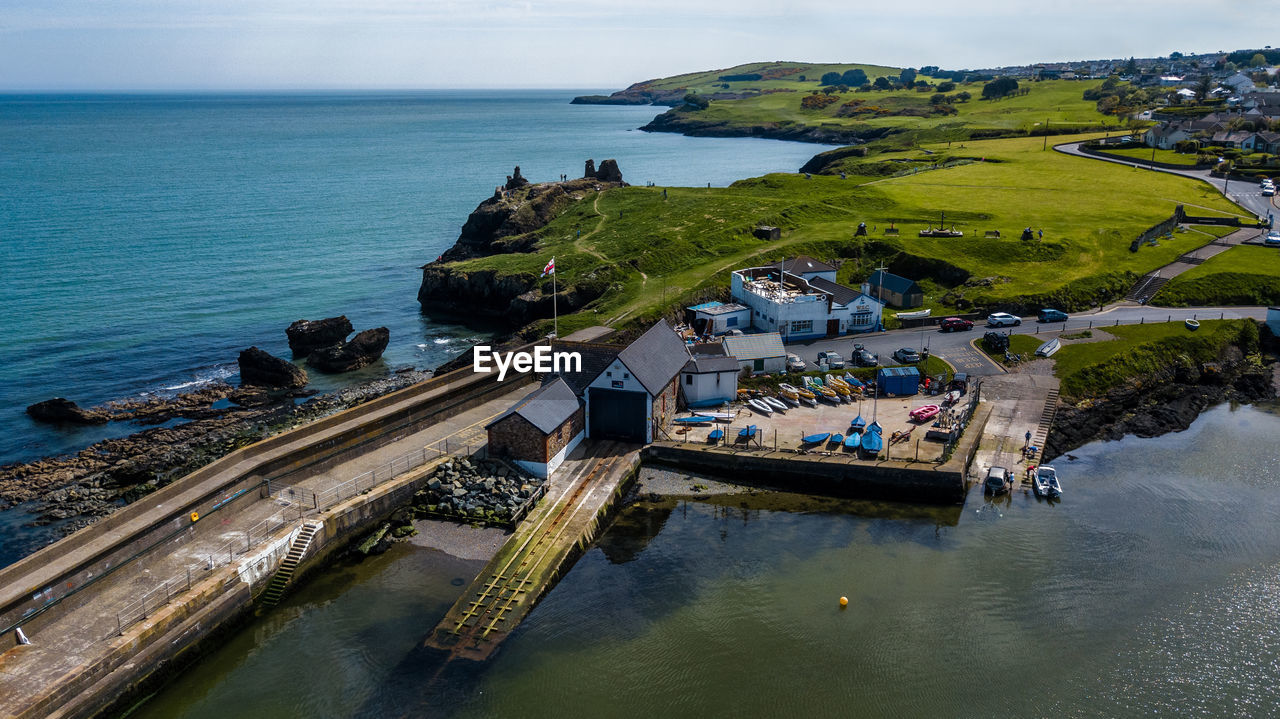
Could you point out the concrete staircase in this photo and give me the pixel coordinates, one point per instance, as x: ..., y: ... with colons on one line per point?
x: 1041, y: 433
x: 275, y: 590
x: 1147, y: 287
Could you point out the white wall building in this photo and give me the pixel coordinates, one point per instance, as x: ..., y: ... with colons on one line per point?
x: 797, y: 308
x: 709, y: 381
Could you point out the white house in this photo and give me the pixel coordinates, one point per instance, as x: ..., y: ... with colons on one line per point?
x: 709, y: 381
x: 1240, y: 82
x: 1167, y: 135
x: 714, y: 318
x: 799, y: 308
x: 758, y: 353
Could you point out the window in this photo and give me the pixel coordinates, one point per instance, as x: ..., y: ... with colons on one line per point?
x: 861, y: 318
x: 688, y: 379
x: 608, y: 374
x: 732, y: 322
x: 758, y: 365
x: 626, y: 376
x: 801, y: 326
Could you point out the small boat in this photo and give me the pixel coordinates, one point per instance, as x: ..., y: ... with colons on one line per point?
x: 777, y: 404
x: 858, y: 423
x: 951, y: 398
x: 852, y: 441
x: 810, y: 401
x: 715, y: 435
x: 1192, y: 325
x: 792, y: 401
x: 1046, y: 482
x: 694, y: 421
x: 925, y: 413
x: 816, y: 438
x: 836, y: 438
x: 747, y: 432
x: 760, y: 406
x: 788, y: 392
x: 852, y: 381
x: 917, y: 315
x: 871, y: 441
x: 805, y: 394
x: 874, y: 427
x: 715, y: 415
x: 826, y: 393
x: 1048, y: 348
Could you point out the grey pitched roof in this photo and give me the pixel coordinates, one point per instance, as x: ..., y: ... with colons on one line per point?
x: 546, y: 408
x: 892, y: 282
x: 841, y: 294
x: 595, y: 358
x: 708, y: 365
x: 804, y: 264
x: 655, y: 357
x: 752, y: 347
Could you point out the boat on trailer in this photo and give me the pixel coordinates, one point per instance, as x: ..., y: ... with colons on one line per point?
x: 746, y: 433
x: 871, y: 441
x: 721, y: 416
x: 917, y: 315
x: 715, y: 435
x: 858, y: 424
x: 852, y: 441
x: 694, y: 421
x: 1046, y: 482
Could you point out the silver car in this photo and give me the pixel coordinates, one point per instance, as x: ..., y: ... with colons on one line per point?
x: 795, y: 364
x: 1003, y: 319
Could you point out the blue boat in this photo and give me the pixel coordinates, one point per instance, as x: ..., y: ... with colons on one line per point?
x: 853, y: 381
x: 874, y: 427
x: 716, y: 435
x: 747, y: 432
x: 853, y: 440
x: 816, y: 438
x: 872, y: 442
x: 691, y: 421
x: 836, y: 438
x: 858, y: 423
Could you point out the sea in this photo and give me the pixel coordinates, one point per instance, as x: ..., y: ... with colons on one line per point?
x: 1151, y: 589
x: 146, y: 239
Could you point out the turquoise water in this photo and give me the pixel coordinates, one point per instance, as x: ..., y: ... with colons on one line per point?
x: 146, y: 239
x: 1151, y: 589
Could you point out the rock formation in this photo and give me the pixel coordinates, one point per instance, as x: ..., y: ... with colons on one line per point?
x: 363, y: 349
x: 515, y: 180
x: 609, y: 172
x: 590, y: 172
x: 60, y: 410
x: 307, y: 336
x: 261, y: 369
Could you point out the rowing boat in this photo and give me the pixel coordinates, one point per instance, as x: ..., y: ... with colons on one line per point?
x: 918, y: 314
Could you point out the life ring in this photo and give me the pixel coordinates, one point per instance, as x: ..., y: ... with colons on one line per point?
x: 195, y: 516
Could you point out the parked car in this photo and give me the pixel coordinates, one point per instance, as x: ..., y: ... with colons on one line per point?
x: 863, y: 358
x: 998, y: 481
x: 960, y: 381
x: 794, y: 363
x: 1273, y: 238
x: 995, y: 341
x: 1002, y: 319
x: 956, y: 324
x: 831, y: 359
x: 906, y: 355
x: 1269, y: 192
x: 1051, y: 315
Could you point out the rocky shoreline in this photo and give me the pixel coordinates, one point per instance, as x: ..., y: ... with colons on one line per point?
x: 1170, y: 404
x: 689, y: 123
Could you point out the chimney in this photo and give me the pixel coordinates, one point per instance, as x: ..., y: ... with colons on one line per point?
x: 866, y: 288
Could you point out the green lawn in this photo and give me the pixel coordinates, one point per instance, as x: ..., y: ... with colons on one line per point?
x: 1025, y: 345
x: 1147, y: 351
x: 708, y: 82
x: 659, y: 253
x: 1141, y: 153
x: 1243, y: 275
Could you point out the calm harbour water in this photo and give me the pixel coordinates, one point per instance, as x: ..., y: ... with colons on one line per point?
x: 1152, y: 588
x: 146, y: 239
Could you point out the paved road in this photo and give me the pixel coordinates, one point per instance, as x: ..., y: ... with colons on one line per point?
x: 955, y: 348
x: 1246, y: 194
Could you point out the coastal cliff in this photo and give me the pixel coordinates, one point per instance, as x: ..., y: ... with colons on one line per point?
x: 1166, y: 400
x: 508, y: 222
x: 688, y: 122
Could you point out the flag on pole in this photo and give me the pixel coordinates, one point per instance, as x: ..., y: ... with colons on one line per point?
x: 550, y: 269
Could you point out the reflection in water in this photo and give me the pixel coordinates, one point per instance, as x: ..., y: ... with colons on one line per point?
x: 1152, y: 588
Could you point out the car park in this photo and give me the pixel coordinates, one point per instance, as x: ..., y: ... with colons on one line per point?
x: 906, y: 355
x: 831, y: 359
x: 1051, y: 315
x: 1003, y: 319
x: 794, y: 363
x: 956, y: 324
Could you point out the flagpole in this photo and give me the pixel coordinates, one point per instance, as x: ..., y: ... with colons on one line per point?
x: 555, y: 312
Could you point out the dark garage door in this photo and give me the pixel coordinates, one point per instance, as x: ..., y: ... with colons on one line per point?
x: 617, y: 414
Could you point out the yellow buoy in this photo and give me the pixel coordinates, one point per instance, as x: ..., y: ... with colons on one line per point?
x: 844, y: 601
x: 195, y: 517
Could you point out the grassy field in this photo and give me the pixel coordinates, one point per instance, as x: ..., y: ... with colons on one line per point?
x: 1057, y: 102
x: 1139, y: 153
x: 1019, y: 344
x: 1244, y: 275
x: 708, y: 82
x: 656, y: 253
x: 1146, y: 351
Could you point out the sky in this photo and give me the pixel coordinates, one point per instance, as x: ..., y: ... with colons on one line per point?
x: 589, y: 44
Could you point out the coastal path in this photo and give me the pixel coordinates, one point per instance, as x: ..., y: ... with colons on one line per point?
x: 81, y: 634
x: 507, y: 589
x: 1151, y: 283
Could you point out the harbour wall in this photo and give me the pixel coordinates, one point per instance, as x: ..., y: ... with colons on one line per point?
x: 34, y: 589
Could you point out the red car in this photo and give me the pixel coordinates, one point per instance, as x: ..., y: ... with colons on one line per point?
x: 951, y: 324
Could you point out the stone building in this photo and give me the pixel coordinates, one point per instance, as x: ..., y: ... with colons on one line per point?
x: 539, y: 431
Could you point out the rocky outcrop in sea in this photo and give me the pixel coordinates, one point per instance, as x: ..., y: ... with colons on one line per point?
x: 307, y: 336
x: 259, y: 368
x: 360, y: 351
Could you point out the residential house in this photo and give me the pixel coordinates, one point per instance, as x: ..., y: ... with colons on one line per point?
x: 539, y: 431
x: 1240, y: 82
x: 1229, y: 139
x: 1268, y: 142
x: 758, y: 353
x: 895, y: 290
x: 708, y: 381
x: 800, y: 308
x: 1166, y: 135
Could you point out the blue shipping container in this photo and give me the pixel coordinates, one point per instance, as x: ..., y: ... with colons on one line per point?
x: 898, y: 381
